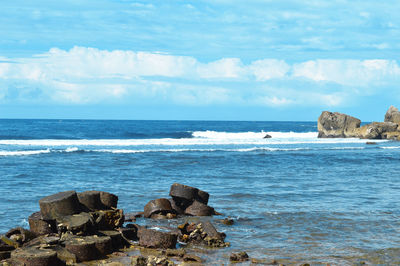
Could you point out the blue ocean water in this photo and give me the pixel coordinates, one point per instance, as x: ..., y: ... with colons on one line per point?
x: 293, y: 196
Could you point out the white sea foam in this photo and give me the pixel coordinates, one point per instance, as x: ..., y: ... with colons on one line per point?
x: 22, y: 153
x: 72, y: 149
x: 390, y: 147
x: 199, y: 138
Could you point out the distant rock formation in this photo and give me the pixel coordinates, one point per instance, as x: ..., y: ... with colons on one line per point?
x: 337, y: 125
x: 392, y: 115
x: 376, y: 130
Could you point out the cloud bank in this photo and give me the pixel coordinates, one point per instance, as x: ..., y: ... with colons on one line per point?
x: 89, y: 76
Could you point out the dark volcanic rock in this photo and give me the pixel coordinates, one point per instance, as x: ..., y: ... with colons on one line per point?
x: 39, y: 226
x: 162, y: 206
x: 78, y: 224
x: 109, y: 200
x: 89, y: 247
x: 108, y: 219
x: 91, y: 200
x: 156, y: 239
x: 199, y: 209
x: 34, y: 256
x: 183, y: 192
x: 202, y: 196
x: 59, y: 205
x: 20, y: 235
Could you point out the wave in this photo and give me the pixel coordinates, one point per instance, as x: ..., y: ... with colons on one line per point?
x: 251, y: 135
x: 198, y: 138
x: 132, y: 151
x: 23, y: 153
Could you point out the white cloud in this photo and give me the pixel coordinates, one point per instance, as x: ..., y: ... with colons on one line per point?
x: 269, y: 69
x: 349, y: 72
x: 89, y: 75
x: 224, y: 68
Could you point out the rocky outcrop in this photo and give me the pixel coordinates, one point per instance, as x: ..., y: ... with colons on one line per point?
x: 337, y: 125
x: 392, y: 115
x: 376, y: 130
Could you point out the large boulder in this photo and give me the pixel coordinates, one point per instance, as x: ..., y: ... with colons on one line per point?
x: 376, y: 130
x: 337, y: 125
x: 392, y: 115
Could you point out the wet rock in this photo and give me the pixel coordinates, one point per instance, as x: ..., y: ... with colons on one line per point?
x: 202, y: 233
x: 39, y: 226
x: 375, y: 130
x: 156, y: 239
x: 20, y: 235
x: 108, y: 219
x: 130, y: 233
x: 89, y: 247
x: 139, y: 261
x: 64, y: 255
x: 34, y: 256
x: 199, y: 209
x: 202, y: 196
x: 174, y: 253
x: 228, y: 221
x: 337, y: 125
x: 109, y: 200
x: 267, y: 136
x: 239, y: 257
x: 77, y: 224
x: 7, y: 244
x: 159, y: 261
x: 177, y: 207
x: 117, y: 238
x: 392, y: 115
x: 183, y: 192
x: 59, y: 205
x: 371, y: 143
x: 162, y: 206
x: 5, y: 255
x: 132, y: 216
x: 84, y: 249
x: 91, y: 200
x: 191, y: 258
x: 44, y: 241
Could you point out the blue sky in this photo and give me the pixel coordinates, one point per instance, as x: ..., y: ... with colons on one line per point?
x: 216, y: 59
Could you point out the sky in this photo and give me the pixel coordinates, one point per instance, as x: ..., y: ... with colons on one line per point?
x: 199, y: 60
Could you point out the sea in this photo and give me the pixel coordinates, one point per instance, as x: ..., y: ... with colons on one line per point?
x: 293, y: 197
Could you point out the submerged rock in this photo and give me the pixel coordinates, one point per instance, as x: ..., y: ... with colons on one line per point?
x: 162, y: 206
x: 239, y: 257
x: 337, y: 125
x: 150, y: 238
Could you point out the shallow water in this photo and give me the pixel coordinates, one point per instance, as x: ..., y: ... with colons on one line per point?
x: 293, y: 196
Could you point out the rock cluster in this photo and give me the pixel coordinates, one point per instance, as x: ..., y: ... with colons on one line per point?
x: 202, y: 233
x: 338, y: 125
x: 70, y: 227
x: 185, y: 200
x: 76, y: 227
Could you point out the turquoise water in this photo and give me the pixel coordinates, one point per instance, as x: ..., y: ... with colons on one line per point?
x: 293, y: 196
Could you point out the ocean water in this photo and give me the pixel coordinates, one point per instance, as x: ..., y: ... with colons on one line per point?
x: 293, y: 197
